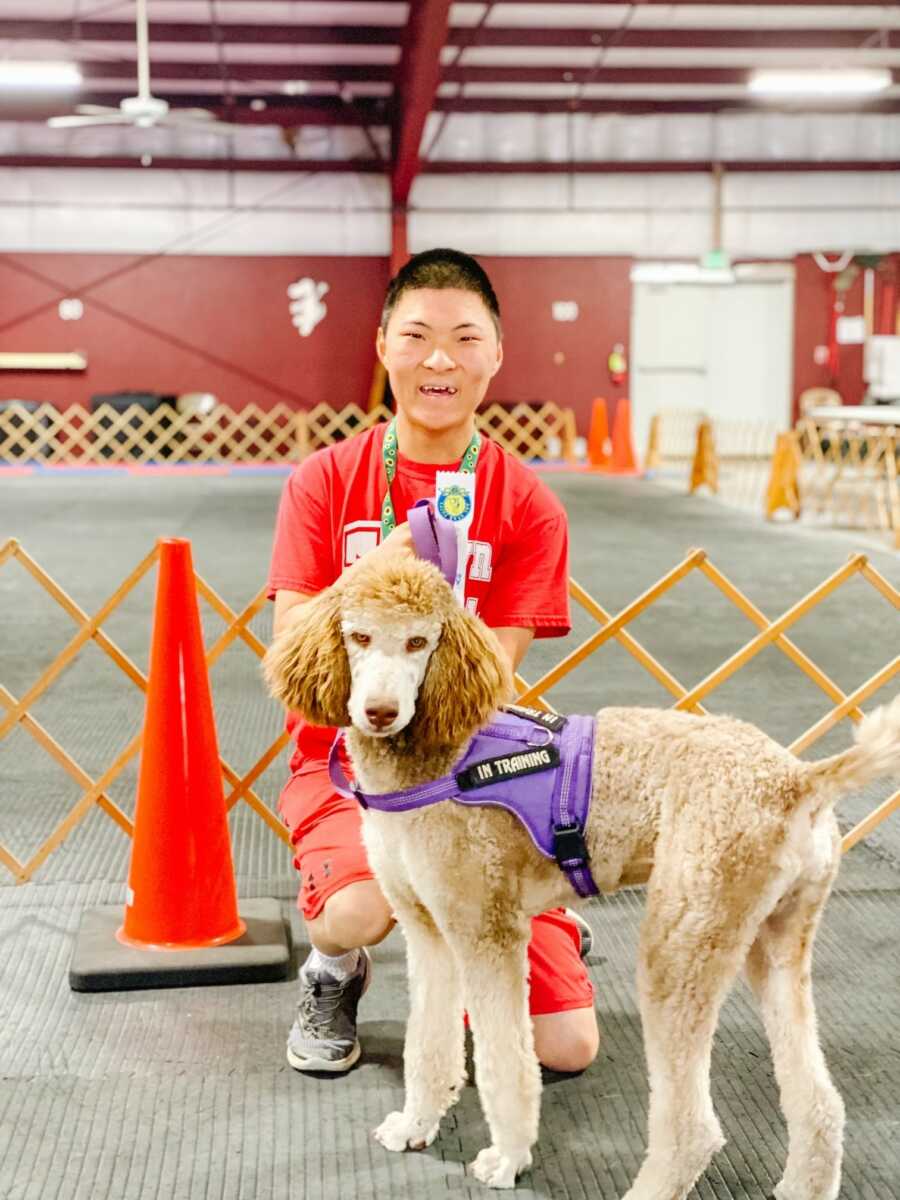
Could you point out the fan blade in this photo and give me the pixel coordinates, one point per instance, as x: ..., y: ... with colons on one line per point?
x: 95, y: 110
x: 85, y: 122
x: 196, y: 114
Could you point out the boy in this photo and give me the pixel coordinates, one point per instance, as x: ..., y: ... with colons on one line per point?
x: 440, y: 342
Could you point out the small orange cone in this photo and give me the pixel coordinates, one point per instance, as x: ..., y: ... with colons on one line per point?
x: 181, y: 889
x: 598, y: 438
x: 623, y: 460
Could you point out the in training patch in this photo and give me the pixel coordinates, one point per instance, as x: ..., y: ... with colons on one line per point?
x: 510, y: 766
x: 552, y: 721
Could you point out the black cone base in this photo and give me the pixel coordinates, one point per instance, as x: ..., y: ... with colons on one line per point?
x: 101, y: 963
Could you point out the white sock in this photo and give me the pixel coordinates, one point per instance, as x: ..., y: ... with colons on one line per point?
x: 338, y: 968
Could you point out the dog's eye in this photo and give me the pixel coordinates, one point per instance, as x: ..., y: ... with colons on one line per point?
x: 361, y: 639
x: 416, y: 643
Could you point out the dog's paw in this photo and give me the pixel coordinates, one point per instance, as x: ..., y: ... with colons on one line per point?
x: 400, y: 1132
x: 804, y: 1188
x: 499, y: 1170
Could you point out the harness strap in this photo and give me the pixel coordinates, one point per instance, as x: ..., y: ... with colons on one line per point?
x: 427, y: 793
x: 339, y: 780
x: 568, y: 830
x: 572, y: 781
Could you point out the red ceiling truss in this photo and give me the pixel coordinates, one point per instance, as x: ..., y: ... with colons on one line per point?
x: 389, y: 70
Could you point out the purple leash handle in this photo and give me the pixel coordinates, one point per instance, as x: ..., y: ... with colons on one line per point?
x: 434, y: 540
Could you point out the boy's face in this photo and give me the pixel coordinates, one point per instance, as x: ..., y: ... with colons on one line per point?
x: 440, y: 351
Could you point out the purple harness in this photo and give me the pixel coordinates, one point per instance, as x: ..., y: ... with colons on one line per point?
x: 537, y: 765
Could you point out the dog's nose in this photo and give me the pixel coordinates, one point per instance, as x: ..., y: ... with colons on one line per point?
x: 381, y: 713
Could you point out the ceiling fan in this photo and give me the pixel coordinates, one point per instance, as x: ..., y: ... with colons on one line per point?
x: 143, y: 111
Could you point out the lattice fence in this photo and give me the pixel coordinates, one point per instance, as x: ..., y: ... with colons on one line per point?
x: 529, y: 431
x: 850, y: 474
x: 847, y: 476
x: 18, y: 711
x: 742, y: 452
x: 50, y: 436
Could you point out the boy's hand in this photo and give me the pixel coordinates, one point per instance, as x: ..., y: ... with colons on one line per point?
x: 398, y: 540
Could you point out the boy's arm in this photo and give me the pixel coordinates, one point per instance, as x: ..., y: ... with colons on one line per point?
x: 515, y: 642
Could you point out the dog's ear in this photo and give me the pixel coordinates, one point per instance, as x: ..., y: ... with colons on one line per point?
x: 467, y: 680
x: 306, y: 666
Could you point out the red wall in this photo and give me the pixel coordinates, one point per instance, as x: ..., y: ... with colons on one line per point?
x: 221, y: 324
x: 526, y: 288
x: 180, y: 324
x: 812, y: 306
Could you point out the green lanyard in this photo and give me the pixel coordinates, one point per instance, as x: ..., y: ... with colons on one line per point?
x: 389, y: 454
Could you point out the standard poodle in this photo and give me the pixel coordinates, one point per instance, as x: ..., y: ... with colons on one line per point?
x: 733, y: 835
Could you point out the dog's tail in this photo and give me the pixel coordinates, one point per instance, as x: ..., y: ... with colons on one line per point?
x: 875, y: 755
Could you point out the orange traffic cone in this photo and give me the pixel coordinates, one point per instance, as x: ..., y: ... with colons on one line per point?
x: 623, y: 461
x: 182, y: 926
x: 181, y: 890
x: 598, y: 437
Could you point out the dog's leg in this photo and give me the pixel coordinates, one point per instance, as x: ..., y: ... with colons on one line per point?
x: 507, y: 1072
x: 693, y: 944
x: 778, y: 969
x: 434, y: 1050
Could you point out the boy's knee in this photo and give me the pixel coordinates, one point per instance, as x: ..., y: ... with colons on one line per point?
x: 357, y: 915
x: 567, y: 1042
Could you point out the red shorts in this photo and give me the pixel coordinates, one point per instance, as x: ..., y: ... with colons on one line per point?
x: 326, y: 832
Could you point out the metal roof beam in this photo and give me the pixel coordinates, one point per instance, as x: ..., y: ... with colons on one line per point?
x: 417, y: 82
x: 370, y: 166
x: 232, y: 34
x: 260, y: 73
x: 279, y: 110
x: 651, y: 107
x: 759, y: 38
x: 299, y: 166
x: 685, y: 75
x: 269, y: 73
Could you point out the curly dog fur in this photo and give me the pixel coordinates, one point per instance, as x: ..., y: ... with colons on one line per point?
x: 734, y: 837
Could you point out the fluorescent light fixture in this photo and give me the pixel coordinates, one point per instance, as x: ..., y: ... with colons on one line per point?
x: 39, y: 75
x: 819, y: 83
x: 680, y: 272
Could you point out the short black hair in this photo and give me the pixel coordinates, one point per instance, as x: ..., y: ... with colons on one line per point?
x: 442, y: 268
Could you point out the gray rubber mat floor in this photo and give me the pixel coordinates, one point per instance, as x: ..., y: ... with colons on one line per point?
x: 176, y: 1094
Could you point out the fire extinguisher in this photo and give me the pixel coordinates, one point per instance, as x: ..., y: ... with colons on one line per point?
x: 617, y: 364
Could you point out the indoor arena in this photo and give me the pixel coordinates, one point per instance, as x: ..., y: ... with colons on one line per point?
x: 392, y: 395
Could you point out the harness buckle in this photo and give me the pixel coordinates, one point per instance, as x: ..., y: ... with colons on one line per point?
x: 568, y: 845
x: 540, y: 737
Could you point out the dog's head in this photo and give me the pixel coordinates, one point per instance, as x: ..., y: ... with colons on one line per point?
x: 386, y: 649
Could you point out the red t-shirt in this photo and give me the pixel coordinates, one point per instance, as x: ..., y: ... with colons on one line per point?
x: 330, y: 514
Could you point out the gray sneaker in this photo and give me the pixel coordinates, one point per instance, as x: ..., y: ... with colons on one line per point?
x: 323, y: 1036
x: 587, y: 934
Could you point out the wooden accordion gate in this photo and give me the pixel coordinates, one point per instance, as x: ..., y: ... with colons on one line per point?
x: 17, y: 711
